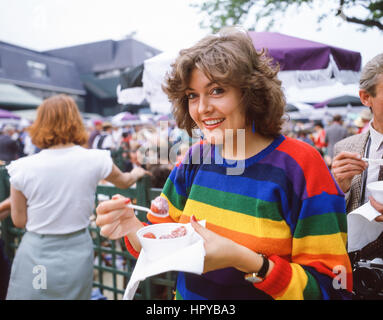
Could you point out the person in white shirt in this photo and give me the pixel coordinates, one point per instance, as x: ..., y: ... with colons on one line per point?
x: 52, y: 196
x: 105, y: 139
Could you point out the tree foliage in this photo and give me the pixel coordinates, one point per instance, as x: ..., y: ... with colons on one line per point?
x: 220, y: 13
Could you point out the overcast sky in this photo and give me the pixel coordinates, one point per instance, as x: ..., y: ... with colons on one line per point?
x: 164, y: 24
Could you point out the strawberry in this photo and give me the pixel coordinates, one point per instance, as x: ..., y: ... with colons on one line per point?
x: 179, y: 232
x: 149, y: 235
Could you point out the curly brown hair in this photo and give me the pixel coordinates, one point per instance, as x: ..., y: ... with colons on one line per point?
x: 58, y: 121
x: 229, y: 58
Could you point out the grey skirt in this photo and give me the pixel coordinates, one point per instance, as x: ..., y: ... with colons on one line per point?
x: 50, y: 267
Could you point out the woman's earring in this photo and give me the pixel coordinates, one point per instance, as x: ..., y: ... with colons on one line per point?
x: 253, y: 127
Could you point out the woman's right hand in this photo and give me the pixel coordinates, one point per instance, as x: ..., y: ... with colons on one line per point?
x: 117, y: 220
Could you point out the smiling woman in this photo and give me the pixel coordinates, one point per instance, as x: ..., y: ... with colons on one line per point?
x: 275, y: 229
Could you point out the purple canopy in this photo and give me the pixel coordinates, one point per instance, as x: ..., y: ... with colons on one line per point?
x: 128, y: 117
x: 298, y: 54
x: 5, y: 114
x: 164, y: 117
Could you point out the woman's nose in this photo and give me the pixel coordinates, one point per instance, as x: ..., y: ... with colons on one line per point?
x: 203, y: 106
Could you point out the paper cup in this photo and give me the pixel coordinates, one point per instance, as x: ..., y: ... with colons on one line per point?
x: 376, y: 190
x: 158, y: 248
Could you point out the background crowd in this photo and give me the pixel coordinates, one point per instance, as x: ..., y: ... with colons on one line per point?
x: 324, y: 135
x: 131, y: 146
x: 136, y: 145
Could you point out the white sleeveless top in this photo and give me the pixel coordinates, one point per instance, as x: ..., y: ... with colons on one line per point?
x: 60, y: 186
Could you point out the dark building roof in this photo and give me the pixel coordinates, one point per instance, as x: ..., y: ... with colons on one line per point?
x: 102, y: 88
x: 34, y: 69
x: 132, y: 78
x: 106, y: 55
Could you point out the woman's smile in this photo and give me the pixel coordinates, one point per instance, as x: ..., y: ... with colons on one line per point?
x: 212, y: 123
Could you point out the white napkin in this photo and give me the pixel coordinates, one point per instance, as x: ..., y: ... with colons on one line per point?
x: 362, y: 228
x: 367, y: 211
x: 189, y: 259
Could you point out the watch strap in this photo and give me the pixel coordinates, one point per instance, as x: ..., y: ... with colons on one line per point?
x: 264, y: 268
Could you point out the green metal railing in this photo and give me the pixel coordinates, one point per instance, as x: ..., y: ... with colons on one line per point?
x: 113, y: 265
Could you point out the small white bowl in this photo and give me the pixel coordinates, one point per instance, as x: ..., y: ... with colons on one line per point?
x: 376, y: 190
x: 158, y: 248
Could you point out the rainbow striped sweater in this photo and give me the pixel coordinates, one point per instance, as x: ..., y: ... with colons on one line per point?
x: 285, y: 204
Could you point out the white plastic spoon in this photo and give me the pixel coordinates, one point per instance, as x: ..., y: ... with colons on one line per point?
x: 133, y: 206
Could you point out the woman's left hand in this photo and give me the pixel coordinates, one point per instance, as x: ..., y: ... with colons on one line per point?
x: 222, y: 252
x: 219, y: 250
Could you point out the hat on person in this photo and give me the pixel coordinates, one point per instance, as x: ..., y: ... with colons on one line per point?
x: 97, y: 122
x: 366, y: 114
x: 106, y: 125
x: 8, y: 127
x: 359, y: 122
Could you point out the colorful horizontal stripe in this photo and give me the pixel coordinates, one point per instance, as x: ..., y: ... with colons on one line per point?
x: 285, y: 204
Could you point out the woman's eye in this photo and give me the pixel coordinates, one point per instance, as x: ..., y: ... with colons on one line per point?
x: 217, y: 91
x: 191, y: 96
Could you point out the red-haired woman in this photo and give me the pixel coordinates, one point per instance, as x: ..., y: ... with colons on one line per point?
x: 52, y: 196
